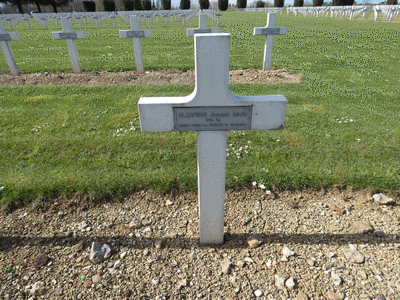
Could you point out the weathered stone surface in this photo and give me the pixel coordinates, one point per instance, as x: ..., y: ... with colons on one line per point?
x: 334, y: 296
x: 290, y: 283
x: 383, y: 200
x: 254, y: 241
x: 336, y: 279
x: 301, y: 296
x: 353, y: 256
x: 135, y: 224
x: 362, y: 227
x: 226, y: 266
x: 99, y: 253
x: 287, y: 252
x: 280, y: 282
x: 337, y: 209
x: 38, y: 288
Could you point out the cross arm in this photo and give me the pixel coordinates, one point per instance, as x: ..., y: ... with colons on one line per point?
x: 156, y: 114
x: 268, y: 111
x: 270, y: 30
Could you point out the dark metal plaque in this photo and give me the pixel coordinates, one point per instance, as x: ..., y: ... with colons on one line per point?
x: 213, y: 118
x: 68, y: 35
x: 270, y: 31
x: 135, y: 34
x: 5, y: 37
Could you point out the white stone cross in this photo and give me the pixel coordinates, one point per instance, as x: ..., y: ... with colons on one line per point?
x: 5, y: 37
x: 270, y: 30
x: 136, y: 33
x: 211, y: 110
x: 202, y: 27
x: 69, y: 35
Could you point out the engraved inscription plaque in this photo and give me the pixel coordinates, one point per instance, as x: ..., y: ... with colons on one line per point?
x: 5, y: 37
x: 213, y: 118
x: 68, y: 35
x: 135, y: 34
x: 270, y: 31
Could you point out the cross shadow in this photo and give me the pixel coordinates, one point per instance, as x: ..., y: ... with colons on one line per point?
x: 231, y: 241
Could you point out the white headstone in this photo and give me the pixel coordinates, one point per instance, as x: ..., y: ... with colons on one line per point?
x: 202, y: 27
x: 136, y: 33
x: 270, y: 30
x: 212, y: 110
x: 69, y: 35
x: 5, y: 37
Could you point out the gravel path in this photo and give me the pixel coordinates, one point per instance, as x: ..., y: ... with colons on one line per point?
x: 313, y: 244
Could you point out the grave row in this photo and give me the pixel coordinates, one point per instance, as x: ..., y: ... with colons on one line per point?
x: 351, y: 12
x: 99, y: 17
x: 389, y: 11
x: 334, y: 11
x: 136, y: 34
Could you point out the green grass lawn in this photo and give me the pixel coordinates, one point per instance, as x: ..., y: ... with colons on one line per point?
x: 342, y: 124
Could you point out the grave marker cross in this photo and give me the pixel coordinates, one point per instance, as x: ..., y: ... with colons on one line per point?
x: 5, y: 37
x: 202, y: 27
x: 136, y: 33
x: 211, y: 110
x: 270, y: 30
x: 69, y: 35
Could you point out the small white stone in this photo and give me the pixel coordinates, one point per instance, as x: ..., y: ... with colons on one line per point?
x: 279, y: 282
x: 258, y: 293
x: 287, y: 252
x: 123, y: 255
x: 117, y: 264
x: 336, y: 279
x: 248, y: 259
x: 290, y: 284
x: 155, y: 281
x: 269, y: 263
x: 168, y: 203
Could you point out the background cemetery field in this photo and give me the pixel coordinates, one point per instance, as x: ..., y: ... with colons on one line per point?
x: 342, y: 124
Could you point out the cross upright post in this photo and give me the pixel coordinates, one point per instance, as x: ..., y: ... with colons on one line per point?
x: 270, y: 30
x: 5, y: 37
x: 136, y: 33
x: 202, y: 27
x: 211, y: 110
x: 69, y: 35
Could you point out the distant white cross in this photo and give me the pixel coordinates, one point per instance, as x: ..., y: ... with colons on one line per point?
x: 69, y: 35
x: 212, y: 110
x: 270, y: 30
x: 136, y: 33
x: 5, y: 37
x: 202, y: 27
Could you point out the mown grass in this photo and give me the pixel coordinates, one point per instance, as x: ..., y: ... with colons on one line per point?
x: 342, y: 123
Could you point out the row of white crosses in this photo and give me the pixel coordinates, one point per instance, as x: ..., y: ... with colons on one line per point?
x: 334, y: 11
x: 389, y: 11
x: 166, y: 15
x: 14, y: 19
x: 266, y: 9
x: 211, y: 110
x: 136, y: 34
x: 97, y: 17
x: 70, y: 36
